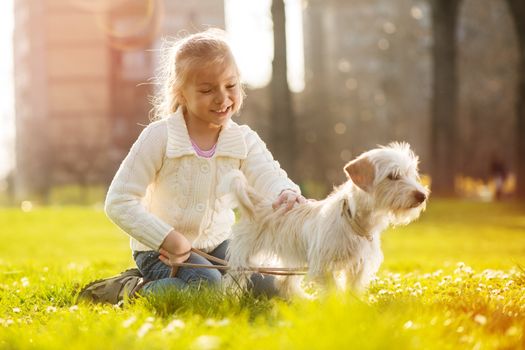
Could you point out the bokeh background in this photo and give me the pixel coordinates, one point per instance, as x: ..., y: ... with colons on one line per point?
x: 326, y: 80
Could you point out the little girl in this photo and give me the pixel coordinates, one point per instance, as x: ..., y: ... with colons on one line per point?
x: 165, y: 193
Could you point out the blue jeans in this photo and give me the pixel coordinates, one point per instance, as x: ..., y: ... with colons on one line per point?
x: 158, y: 273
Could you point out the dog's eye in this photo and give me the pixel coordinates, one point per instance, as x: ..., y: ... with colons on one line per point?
x: 393, y: 176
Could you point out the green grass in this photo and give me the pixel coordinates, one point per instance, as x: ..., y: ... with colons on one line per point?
x: 450, y: 280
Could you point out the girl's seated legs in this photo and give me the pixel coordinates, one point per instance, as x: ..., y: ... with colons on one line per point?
x: 158, y: 273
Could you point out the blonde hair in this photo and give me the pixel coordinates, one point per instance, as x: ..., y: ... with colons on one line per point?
x: 179, y: 60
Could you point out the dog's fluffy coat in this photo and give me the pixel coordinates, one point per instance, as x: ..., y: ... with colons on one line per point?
x: 338, y: 234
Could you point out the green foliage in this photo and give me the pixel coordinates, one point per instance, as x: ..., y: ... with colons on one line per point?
x: 453, y: 279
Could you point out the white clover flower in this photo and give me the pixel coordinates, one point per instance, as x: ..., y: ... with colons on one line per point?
x: 468, y: 270
x: 214, y: 323
x: 50, y: 309
x: 408, y: 325
x: 73, y: 308
x: 144, y: 329
x: 71, y: 266
x: 480, y: 319
x: 16, y: 310
x: 437, y: 273
x: 207, y: 342
x: 284, y: 324
x: 176, y: 323
x: 129, y: 322
x: 466, y: 338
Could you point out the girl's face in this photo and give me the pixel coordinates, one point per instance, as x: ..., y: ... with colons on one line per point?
x: 211, y: 95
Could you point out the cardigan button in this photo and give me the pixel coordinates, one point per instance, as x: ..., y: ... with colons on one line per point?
x: 199, y: 207
x: 205, y: 168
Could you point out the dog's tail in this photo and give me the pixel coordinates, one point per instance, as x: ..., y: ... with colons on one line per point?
x: 235, y: 183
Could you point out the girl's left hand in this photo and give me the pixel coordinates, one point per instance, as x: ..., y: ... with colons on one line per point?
x: 288, y: 198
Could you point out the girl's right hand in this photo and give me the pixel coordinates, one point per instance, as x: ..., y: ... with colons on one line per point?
x: 175, y: 249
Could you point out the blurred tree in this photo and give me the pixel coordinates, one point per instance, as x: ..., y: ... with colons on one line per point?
x: 282, y: 129
x: 517, y: 8
x: 445, y: 82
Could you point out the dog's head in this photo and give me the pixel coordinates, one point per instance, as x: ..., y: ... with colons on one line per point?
x: 390, y: 176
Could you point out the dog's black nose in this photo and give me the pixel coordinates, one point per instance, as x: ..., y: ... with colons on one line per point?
x: 419, y: 196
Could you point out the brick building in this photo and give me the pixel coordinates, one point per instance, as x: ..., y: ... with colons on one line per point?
x: 80, y: 68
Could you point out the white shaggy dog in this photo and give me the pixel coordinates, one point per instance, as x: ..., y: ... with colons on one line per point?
x: 340, y: 234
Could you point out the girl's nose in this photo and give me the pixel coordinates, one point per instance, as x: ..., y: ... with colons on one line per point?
x: 220, y: 97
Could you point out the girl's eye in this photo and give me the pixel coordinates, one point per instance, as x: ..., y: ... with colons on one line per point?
x: 393, y: 176
x: 205, y: 91
x: 231, y: 86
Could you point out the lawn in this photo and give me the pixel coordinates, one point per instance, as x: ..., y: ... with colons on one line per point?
x: 453, y: 279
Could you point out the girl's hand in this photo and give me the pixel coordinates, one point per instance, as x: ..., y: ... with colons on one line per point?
x: 288, y: 198
x: 175, y: 248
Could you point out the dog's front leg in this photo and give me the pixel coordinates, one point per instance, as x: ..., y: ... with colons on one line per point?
x: 290, y: 286
x: 358, y: 278
x: 324, y: 281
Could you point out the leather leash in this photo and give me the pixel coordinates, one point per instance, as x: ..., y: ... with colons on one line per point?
x: 223, y: 265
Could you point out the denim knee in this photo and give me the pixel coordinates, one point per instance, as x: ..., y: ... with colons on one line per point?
x: 209, y: 277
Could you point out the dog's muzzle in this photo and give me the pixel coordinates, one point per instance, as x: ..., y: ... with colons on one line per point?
x: 419, y: 198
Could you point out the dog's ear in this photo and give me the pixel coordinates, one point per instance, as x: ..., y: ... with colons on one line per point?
x: 362, y: 173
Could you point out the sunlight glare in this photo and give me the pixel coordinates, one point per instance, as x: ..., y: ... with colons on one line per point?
x: 249, y: 25
x: 7, y: 130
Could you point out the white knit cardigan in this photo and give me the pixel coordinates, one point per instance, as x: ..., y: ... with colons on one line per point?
x: 162, y: 184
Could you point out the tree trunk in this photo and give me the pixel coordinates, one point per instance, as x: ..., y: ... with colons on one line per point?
x: 445, y: 82
x: 282, y: 117
x: 517, y: 8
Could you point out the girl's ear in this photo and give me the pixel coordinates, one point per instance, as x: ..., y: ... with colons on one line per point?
x: 181, y: 99
x: 362, y: 173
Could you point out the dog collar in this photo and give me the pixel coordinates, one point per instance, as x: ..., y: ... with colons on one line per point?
x: 352, y: 220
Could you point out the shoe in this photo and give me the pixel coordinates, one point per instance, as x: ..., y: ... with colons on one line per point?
x: 112, y: 290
